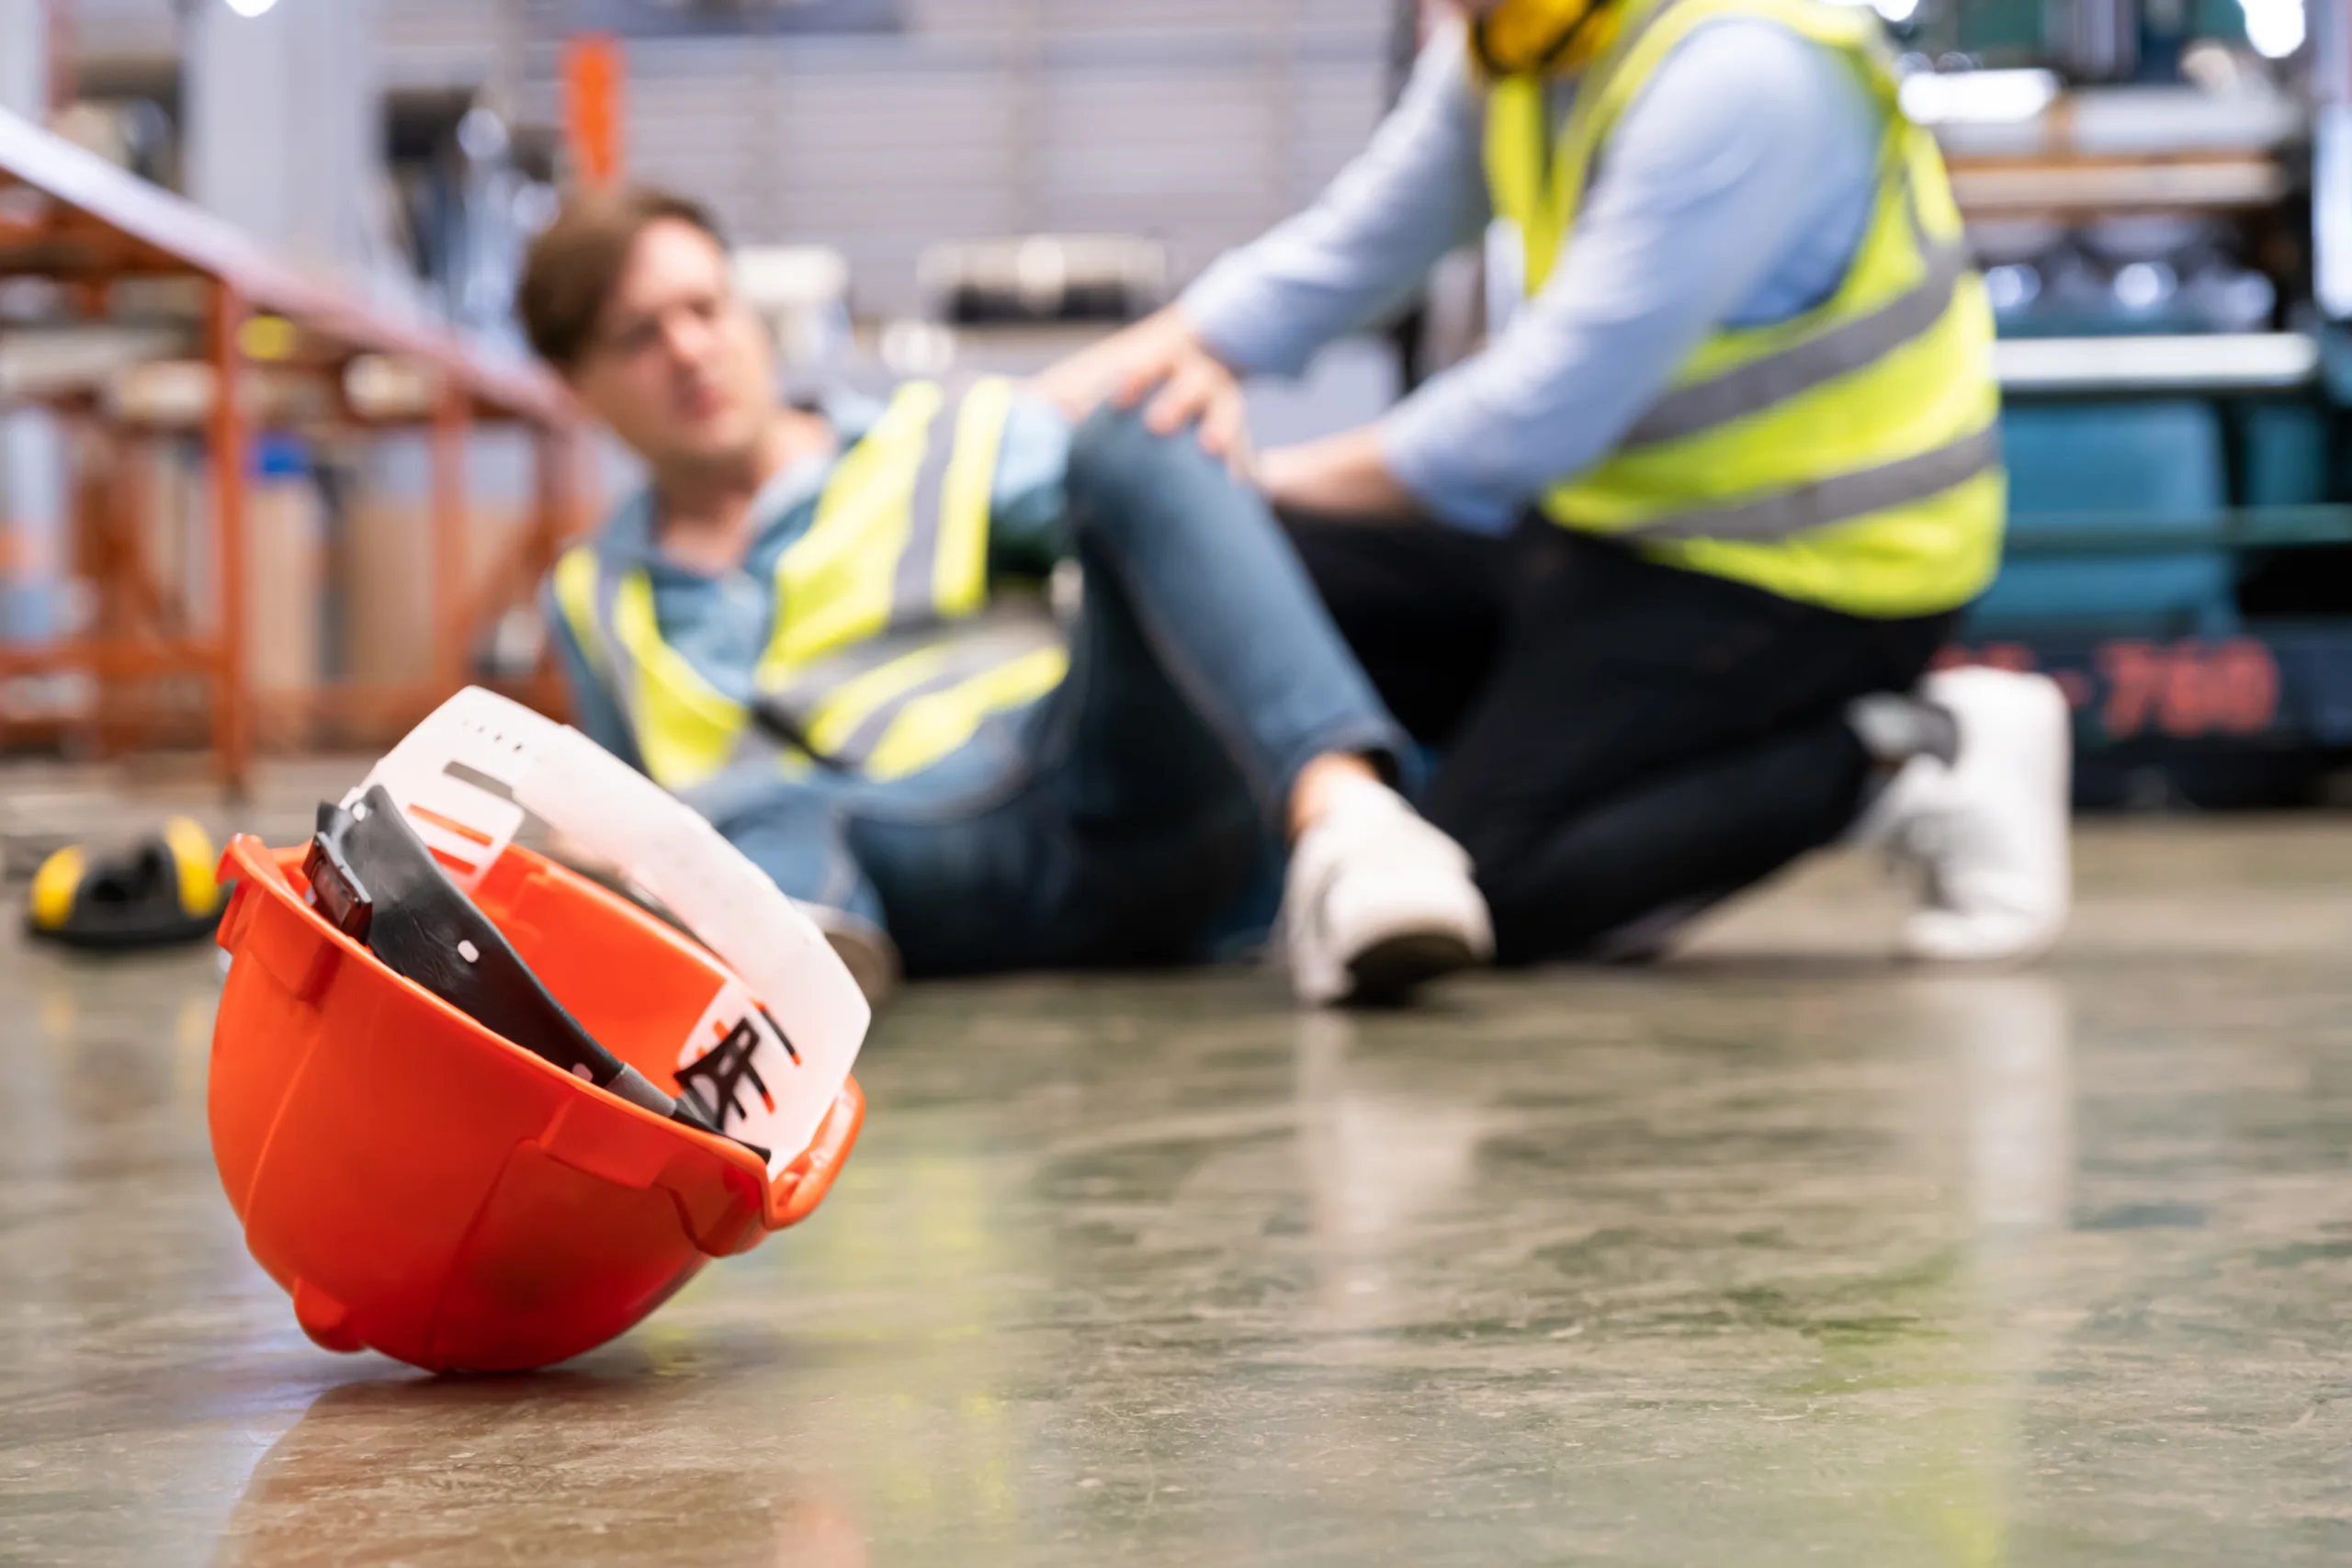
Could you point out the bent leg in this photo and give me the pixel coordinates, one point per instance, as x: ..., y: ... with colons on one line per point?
x: 1218, y: 597
x: 1206, y: 680
x: 1204, y: 677
x: 1676, y: 841
x: 1653, y: 737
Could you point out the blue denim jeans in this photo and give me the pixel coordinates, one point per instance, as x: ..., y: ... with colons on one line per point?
x: 1112, y: 823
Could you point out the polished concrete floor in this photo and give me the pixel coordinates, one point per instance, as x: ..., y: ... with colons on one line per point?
x: 1778, y: 1254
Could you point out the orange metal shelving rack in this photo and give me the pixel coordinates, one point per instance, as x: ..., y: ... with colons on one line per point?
x: 71, y: 217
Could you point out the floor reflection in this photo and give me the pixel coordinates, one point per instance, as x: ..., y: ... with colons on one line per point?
x: 558, y: 1467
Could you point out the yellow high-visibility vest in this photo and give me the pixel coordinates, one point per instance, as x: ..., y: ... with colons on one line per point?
x: 884, y: 657
x: 1847, y: 458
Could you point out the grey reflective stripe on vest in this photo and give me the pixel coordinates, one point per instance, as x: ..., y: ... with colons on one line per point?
x: 971, y: 652
x: 914, y: 595
x: 1008, y: 624
x: 600, y: 649
x: 1840, y: 499
x: 974, y: 648
x: 1799, y: 369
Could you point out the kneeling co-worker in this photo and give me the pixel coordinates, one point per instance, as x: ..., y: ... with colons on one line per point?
x: 795, y: 627
x: 1718, y: 489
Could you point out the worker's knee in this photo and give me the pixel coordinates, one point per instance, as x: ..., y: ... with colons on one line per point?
x: 1121, y: 475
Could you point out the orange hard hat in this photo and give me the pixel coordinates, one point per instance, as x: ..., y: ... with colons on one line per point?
x: 427, y: 1188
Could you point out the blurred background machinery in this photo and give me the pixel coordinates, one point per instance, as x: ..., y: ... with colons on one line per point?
x: 2160, y: 191
x: 2155, y: 189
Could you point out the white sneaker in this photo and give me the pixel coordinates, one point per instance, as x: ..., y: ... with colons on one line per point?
x: 1986, y: 836
x: 1377, y: 902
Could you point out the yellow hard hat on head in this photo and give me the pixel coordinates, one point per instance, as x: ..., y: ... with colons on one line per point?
x: 1514, y: 37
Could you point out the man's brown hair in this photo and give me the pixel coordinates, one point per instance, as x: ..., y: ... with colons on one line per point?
x: 575, y: 264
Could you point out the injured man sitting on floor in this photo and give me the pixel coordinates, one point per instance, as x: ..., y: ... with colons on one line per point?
x: 812, y: 625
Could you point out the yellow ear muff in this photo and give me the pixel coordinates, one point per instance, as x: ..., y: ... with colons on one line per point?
x: 1520, y: 36
x: 196, y: 859
x: 54, y: 885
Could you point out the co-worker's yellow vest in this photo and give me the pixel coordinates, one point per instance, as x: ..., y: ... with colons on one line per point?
x: 1848, y: 458
x: 884, y: 657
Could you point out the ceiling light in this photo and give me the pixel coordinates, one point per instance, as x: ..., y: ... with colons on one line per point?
x: 2274, y: 28
x: 1978, y: 98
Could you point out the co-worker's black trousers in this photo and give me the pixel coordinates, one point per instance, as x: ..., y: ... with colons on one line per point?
x: 1617, y: 739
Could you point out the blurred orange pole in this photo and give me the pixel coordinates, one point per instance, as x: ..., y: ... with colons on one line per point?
x: 232, y: 716
x: 576, y: 517
x: 557, y: 451
x: 547, y: 457
x: 450, y: 635
x: 594, y: 71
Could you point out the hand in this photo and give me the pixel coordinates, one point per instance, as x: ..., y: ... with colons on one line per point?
x: 1082, y: 382
x: 1285, y: 477
x: 1187, y: 385
x: 1341, y: 476
x: 1163, y: 352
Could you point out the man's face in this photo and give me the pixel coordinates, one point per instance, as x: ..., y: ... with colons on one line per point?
x: 676, y: 365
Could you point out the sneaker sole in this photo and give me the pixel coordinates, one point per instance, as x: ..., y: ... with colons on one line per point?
x: 1389, y: 971
x: 1939, y: 942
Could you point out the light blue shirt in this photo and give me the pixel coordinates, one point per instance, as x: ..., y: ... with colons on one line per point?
x: 723, y: 624
x: 1734, y: 191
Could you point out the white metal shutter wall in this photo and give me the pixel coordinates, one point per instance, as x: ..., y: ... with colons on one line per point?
x: 1199, y: 121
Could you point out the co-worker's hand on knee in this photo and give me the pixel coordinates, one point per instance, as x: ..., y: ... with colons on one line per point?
x: 1101, y: 372
x: 1161, y: 365
x: 1191, y: 387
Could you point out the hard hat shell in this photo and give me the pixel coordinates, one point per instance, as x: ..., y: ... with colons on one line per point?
x: 425, y: 1188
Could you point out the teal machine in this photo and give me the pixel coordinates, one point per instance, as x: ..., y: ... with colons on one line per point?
x: 2158, y: 192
